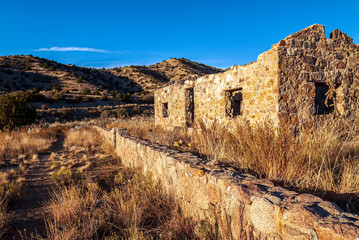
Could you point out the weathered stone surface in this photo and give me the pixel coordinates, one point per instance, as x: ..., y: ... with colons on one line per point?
x: 337, y: 230
x: 263, y: 216
x: 244, y: 193
x: 302, y: 216
x: 214, y: 193
x: 305, y: 197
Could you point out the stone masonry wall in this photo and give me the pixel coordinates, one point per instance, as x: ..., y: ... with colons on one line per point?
x: 258, y: 83
x: 308, y: 57
x: 174, y: 96
x: 239, y: 205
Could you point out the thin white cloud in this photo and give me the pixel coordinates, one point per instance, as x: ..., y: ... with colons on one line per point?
x: 71, y: 49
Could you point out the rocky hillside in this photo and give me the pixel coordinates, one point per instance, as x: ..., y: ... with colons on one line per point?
x: 28, y: 72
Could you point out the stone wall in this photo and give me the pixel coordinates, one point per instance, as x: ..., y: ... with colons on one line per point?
x: 257, y: 82
x: 307, y: 58
x: 174, y: 96
x: 301, y: 76
x: 239, y: 206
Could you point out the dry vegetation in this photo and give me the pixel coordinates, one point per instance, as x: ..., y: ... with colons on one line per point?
x: 322, y: 159
x: 25, y: 142
x: 95, y: 197
x: 15, y: 146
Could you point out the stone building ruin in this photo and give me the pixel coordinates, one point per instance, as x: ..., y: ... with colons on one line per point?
x: 305, y: 74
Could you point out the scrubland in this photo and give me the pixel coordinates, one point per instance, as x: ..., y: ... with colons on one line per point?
x: 92, y: 196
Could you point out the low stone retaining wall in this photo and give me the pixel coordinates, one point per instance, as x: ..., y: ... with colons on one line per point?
x: 239, y: 205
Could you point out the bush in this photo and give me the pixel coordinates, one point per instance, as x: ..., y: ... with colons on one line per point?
x: 59, y: 96
x: 137, y: 110
x: 148, y: 98
x: 116, y: 113
x: 96, y: 92
x: 86, y: 91
x: 104, y: 97
x: 124, y: 97
x: 14, y: 112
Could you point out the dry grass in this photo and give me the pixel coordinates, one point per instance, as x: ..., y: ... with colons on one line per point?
x: 25, y: 142
x: 109, y: 201
x: 323, y: 158
x: 86, y: 138
x: 134, y: 207
x: 144, y: 128
x: 10, y: 190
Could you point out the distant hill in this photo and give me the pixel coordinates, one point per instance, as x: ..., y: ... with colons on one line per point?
x: 21, y: 72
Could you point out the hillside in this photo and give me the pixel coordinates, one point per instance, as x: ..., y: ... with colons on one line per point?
x: 28, y: 72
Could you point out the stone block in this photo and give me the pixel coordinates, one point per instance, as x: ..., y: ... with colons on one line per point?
x: 263, y: 216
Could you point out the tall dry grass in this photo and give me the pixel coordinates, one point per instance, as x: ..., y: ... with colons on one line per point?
x: 25, y: 142
x: 134, y: 207
x: 323, y: 158
x: 110, y: 201
x: 85, y: 137
x: 13, y: 144
x: 145, y: 128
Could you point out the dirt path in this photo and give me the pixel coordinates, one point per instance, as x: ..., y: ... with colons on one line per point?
x: 29, y: 212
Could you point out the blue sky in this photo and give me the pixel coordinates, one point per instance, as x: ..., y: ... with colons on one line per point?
x: 111, y: 33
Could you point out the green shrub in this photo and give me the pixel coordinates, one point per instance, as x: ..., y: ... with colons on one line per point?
x: 124, y: 97
x: 137, y: 110
x: 115, y: 113
x: 85, y: 91
x: 13, y: 110
x: 104, y: 97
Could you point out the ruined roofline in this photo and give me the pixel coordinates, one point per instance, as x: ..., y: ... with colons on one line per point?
x: 319, y: 29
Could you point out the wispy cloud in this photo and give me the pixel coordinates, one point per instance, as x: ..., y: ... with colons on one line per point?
x: 71, y: 49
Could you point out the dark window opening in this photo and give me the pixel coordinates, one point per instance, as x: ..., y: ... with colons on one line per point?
x: 189, y: 106
x: 164, y: 110
x: 323, y: 105
x: 233, y: 103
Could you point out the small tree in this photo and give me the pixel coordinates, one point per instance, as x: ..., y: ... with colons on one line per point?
x: 14, y: 112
